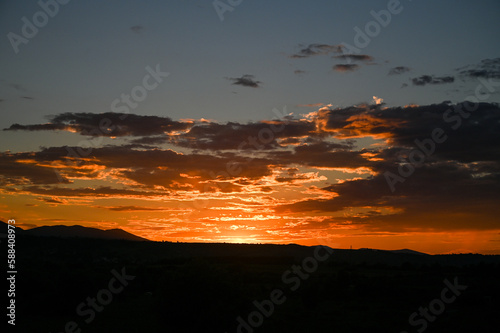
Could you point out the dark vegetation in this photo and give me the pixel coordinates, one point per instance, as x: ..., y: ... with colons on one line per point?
x: 181, y: 287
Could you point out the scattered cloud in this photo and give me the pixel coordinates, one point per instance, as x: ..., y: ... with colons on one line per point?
x: 246, y: 81
x: 431, y: 79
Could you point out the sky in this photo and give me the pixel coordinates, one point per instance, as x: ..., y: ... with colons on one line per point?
x: 371, y: 124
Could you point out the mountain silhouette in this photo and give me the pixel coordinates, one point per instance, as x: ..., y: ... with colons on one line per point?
x: 4, y: 231
x: 408, y: 251
x: 82, y: 232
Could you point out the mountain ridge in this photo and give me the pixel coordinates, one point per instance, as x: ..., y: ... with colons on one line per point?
x: 79, y: 231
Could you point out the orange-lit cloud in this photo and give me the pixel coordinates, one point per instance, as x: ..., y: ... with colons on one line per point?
x: 286, y: 180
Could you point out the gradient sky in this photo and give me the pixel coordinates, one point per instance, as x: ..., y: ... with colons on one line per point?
x: 267, y: 128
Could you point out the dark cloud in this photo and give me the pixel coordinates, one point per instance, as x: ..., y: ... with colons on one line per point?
x: 401, y: 125
x: 317, y: 49
x: 398, y: 70
x: 107, y: 124
x: 169, y: 164
x: 458, y: 182
x: 243, y: 137
x: 487, y: 68
x: 354, y: 57
x: 431, y: 79
x: 345, y: 68
x: 38, y: 127
x: 245, y: 80
x: 439, y: 196
x: 17, y: 169
x: 153, y: 168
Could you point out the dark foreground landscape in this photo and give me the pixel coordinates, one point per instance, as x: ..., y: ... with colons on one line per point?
x: 105, y: 285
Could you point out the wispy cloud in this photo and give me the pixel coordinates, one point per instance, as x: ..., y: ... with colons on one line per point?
x: 311, y: 105
x: 137, y: 29
x: 317, y: 49
x: 130, y: 208
x: 399, y: 70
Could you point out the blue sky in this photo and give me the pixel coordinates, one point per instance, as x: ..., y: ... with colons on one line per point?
x: 87, y: 55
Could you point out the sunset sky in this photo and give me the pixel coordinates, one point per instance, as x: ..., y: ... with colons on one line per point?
x: 366, y: 123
